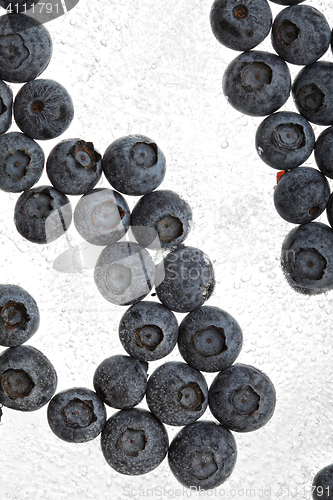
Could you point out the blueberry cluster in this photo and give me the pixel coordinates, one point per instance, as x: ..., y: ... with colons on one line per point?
x: 258, y: 83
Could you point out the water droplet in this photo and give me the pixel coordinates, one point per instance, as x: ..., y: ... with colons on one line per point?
x: 224, y: 144
x: 104, y: 43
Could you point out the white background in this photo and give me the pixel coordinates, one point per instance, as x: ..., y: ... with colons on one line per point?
x: 154, y: 67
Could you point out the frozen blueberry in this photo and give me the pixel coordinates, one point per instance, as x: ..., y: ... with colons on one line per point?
x: 209, y: 339
x: 257, y: 83
x: 121, y: 381
x: 322, y: 486
x: 74, y: 166
x: 21, y: 162
x: 313, y: 92
x: 240, y: 25
x: 242, y: 398
x: 134, y: 165
x: 161, y: 215
x: 307, y: 258
x: 202, y: 455
x: 300, y: 34
x: 19, y: 316
x: 323, y: 152
x: 188, y: 279
x: 134, y: 441
x: 43, y: 109
x: 124, y: 273
x: 27, y: 378
x: 25, y: 48
x: 76, y: 415
x: 148, y: 331
x: 6, y: 107
x: 42, y: 214
x: 102, y: 216
x: 177, y: 393
x: 301, y: 195
x: 284, y: 140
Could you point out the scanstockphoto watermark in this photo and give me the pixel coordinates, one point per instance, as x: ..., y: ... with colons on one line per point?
x: 43, y: 12
x: 195, y: 491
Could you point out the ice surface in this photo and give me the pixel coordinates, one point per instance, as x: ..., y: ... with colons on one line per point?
x: 153, y: 67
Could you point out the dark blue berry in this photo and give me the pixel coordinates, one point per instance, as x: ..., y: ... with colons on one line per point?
x: 74, y: 166
x: 300, y: 34
x: 209, y: 339
x: 43, y: 109
x: 240, y: 25
x: 76, y: 415
x: 161, y: 216
x: 257, y: 83
x: 27, y: 378
x: 322, y: 485
x: 148, y: 331
x: 323, y: 152
x: 301, y: 195
x: 124, y: 273
x: 186, y: 279
x: 134, y: 441
x: 307, y: 258
x: 177, y: 393
x: 202, y: 455
x: 19, y: 316
x: 313, y: 92
x: 25, y: 48
x: 6, y: 107
x: 287, y: 2
x: 242, y: 398
x: 42, y: 214
x: 134, y: 165
x: 102, y: 216
x: 284, y: 140
x: 21, y: 162
x: 121, y: 381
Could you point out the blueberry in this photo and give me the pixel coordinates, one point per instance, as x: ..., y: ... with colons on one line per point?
x: 124, y: 273
x: 177, y: 393
x: 323, y: 152
x: 74, y: 166
x: 134, y: 165
x: 27, y: 378
x: 188, y: 279
x: 42, y: 214
x: 121, y: 381
x: 148, y: 331
x: 301, y: 195
x: 209, y: 339
x: 76, y: 415
x: 102, y: 216
x: 300, y: 34
x: 19, y: 316
x: 43, y: 109
x: 322, y: 486
x: 240, y: 25
x: 257, y: 83
x: 242, y: 398
x: 21, y: 162
x: 307, y: 258
x: 284, y: 140
x: 6, y: 107
x: 134, y: 441
x: 25, y: 48
x: 164, y: 215
x: 202, y: 455
x: 313, y: 92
